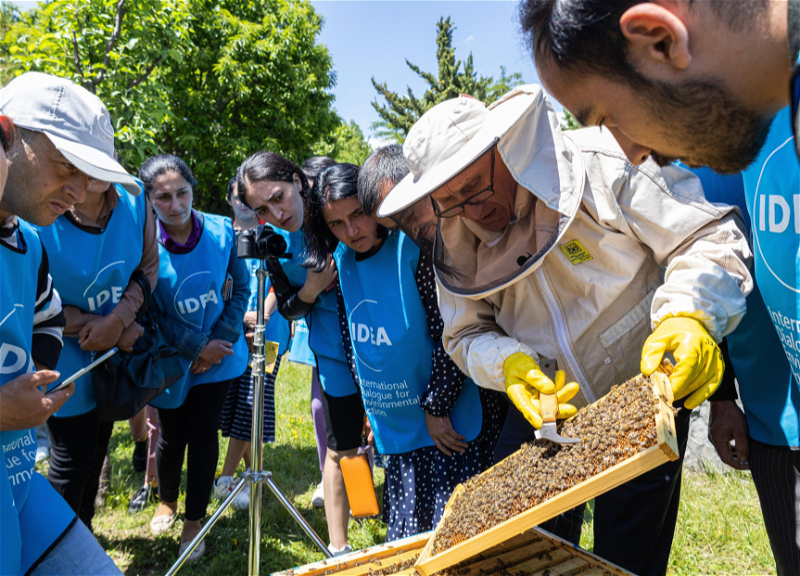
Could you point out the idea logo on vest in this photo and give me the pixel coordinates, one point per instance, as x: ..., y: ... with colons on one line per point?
x: 106, y: 287
x: 194, y: 295
x: 14, y: 360
x: 365, y: 332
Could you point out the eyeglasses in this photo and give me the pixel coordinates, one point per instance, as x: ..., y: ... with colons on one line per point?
x: 794, y: 86
x: 475, y: 199
x: 6, y: 133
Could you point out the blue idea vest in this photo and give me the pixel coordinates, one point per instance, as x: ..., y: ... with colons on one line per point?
x: 772, y: 191
x: 277, y: 329
x: 299, y: 351
x: 91, y: 272
x: 32, y: 514
x: 762, y: 371
x: 189, y: 290
x: 393, y: 348
x: 325, y: 338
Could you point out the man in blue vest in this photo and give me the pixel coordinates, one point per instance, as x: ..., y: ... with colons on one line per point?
x: 62, y: 139
x: 699, y: 81
x: 710, y: 83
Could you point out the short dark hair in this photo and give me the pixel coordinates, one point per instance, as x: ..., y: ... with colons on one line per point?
x: 335, y: 183
x: 584, y: 35
x: 316, y: 164
x: 155, y: 166
x: 270, y: 166
x: 229, y: 191
x: 384, y: 165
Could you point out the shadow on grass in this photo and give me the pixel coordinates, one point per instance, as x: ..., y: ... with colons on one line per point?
x: 283, y: 543
x: 226, y: 549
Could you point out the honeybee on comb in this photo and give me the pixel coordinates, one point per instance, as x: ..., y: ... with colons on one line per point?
x: 393, y: 568
x: 619, y: 427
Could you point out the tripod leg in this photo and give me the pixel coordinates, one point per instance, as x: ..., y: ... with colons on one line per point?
x: 211, y: 521
x: 298, y: 517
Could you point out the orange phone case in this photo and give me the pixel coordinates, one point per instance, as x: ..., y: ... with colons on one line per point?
x: 358, y: 483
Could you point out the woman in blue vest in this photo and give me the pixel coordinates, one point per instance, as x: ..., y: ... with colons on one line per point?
x: 424, y: 414
x: 237, y: 414
x: 101, y: 242
x: 201, y: 298
x: 274, y: 188
x: 300, y: 352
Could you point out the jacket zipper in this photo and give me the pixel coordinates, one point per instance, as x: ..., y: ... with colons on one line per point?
x: 561, y: 334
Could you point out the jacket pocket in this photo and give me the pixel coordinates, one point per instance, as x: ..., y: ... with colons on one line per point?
x: 624, y: 339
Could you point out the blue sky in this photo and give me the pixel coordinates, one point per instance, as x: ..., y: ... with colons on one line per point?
x: 374, y: 38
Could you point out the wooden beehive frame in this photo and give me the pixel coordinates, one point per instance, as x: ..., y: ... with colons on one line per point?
x: 533, y: 552
x: 665, y: 449
x: 359, y: 562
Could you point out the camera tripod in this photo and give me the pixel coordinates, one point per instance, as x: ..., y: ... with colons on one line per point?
x: 256, y: 475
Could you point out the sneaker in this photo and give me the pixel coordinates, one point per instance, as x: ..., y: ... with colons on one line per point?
x: 139, y: 458
x: 223, y: 487
x: 318, y: 498
x: 242, y: 500
x: 141, y: 499
x: 346, y: 550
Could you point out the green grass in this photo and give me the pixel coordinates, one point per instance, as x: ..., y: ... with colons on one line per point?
x: 295, y: 467
x: 720, y: 530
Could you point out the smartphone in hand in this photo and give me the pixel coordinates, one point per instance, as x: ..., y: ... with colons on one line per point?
x: 83, y: 371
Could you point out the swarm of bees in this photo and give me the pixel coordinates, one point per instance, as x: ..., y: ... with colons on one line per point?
x: 611, y: 431
x: 394, y: 567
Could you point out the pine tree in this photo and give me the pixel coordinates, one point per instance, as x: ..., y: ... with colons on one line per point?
x: 400, y: 112
x: 569, y: 122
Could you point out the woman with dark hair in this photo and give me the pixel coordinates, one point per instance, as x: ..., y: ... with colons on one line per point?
x: 274, y: 188
x: 300, y: 352
x: 237, y: 414
x: 200, y: 301
x: 314, y: 165
x: 426, y: 418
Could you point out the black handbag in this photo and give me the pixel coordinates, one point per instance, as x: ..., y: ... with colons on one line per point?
x: 128, y: 381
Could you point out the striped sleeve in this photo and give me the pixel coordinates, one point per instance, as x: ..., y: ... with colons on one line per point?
x: 48, y: 319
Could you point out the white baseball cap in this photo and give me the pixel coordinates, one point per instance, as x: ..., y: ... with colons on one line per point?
x: 449, y: 138
x: 75, y: 120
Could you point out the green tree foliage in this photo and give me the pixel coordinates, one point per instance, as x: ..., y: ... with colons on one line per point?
x: 9, y: 15
x: 400, y: 112
x: 114, y: 50
x: 255, y: 79
x: 210, y: 81
x: 569, y: 122
x: 346, y: 144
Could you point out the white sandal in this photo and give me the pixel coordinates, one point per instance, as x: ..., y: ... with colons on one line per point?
x: 162, y: 523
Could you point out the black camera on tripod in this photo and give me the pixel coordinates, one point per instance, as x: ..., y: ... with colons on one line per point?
x: 262, y: 243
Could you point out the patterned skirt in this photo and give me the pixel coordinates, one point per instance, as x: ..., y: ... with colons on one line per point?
x: 419, y: 483
x: 236, y: 420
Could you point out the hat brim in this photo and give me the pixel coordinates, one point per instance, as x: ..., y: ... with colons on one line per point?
x: 499, y: 121
x: 95, y: 164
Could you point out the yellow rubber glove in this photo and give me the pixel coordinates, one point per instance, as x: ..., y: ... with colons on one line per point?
x: 699, y: 366
x: 524, y: 381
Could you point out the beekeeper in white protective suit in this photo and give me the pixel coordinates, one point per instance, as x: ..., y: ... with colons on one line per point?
x: 553, y: 249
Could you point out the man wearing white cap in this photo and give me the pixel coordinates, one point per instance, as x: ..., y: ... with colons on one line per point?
x: 549, y: 250
x: 62, y: 138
